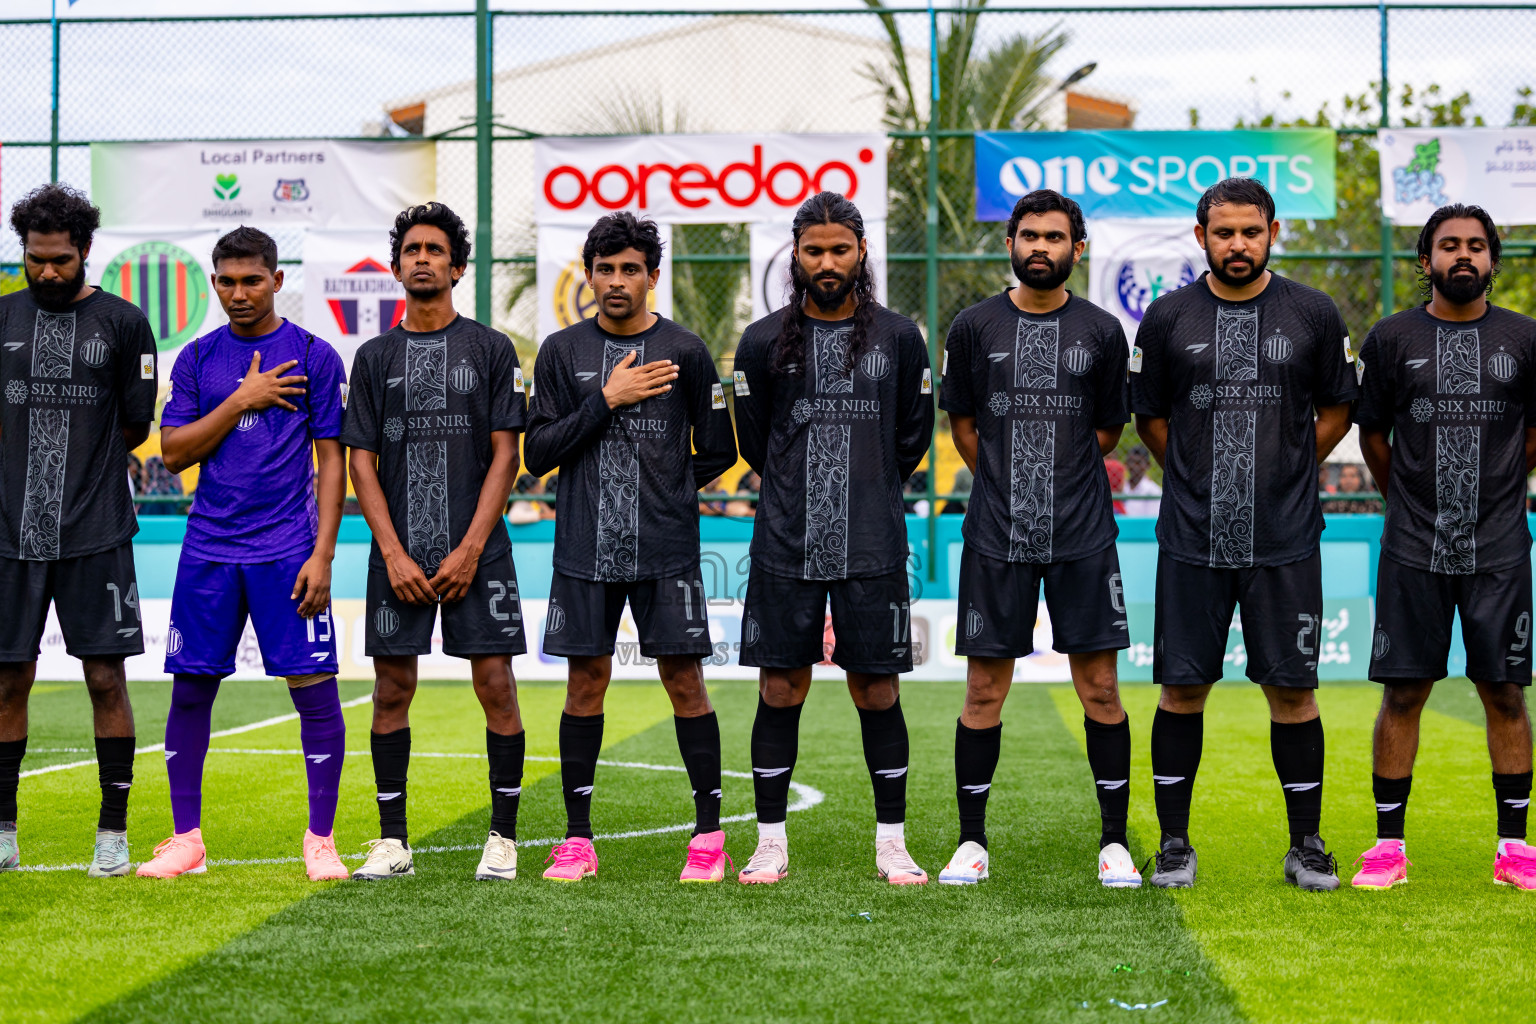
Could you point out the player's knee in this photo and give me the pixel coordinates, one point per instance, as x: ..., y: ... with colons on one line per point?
x: 1506, y: 701
x: 299, y: 682
x: 1403, y: 700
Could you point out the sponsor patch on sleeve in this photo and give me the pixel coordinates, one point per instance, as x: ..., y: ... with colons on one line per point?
x: 927, y: 381
x: 716, y: 396
x: 1134, y: 364
x: 1359, y: 370
x: 739, y: 377
x: 343, y: 388
x: 1349, y: 351
x: 945, y: 371
x: 146, y: 366
x: 517, y: 380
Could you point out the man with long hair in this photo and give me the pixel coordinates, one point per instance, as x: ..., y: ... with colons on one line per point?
x: 628, y: 406
x: 1241, y: 384
x: 436, y: 406
x: 1447, y: 420
x: 834, y: 409
x: 78, y: 369
x: 1034, y: 385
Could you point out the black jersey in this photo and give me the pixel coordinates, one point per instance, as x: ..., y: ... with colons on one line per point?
x: 833, y: 444
x: 1457, y: 398
x: 628, y: 506
x: 1040, y: 386
x: 72, y: 381
x: 1237, y: 383
x: 427, y: 403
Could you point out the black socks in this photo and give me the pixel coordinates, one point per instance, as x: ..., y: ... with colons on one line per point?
x: 391, y: 760
x: 775, y: 745
x: 1391, y: 805
x: 1297, y: 748
x: 698, y: 740
x: 886, y: 754
x: 581, y: 739
x: 1109, y: 758
x: 114, y: 768
x: 1513, y: 793
x: 976, y: 753
x: 1176, y: 744
x: 506, y: 757
x: 11, y: 753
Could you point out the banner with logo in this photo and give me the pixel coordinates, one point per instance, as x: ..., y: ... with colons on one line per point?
x: 705, y: 179
x: 168, y: 275
x: 771, y: 246
x: 1154, y: 174
x: 1132, y: 262
x: 564, y: 298
x: 1423, y: 169
x: 350, y: 295
x: 264, y: 184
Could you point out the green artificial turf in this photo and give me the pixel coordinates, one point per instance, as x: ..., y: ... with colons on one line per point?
x: 1040, y: 941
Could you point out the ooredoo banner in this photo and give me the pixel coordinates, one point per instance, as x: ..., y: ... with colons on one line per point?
x: 275, y: 183
x: 705, y: 179
x: 1154, y: 174
x: 1423, y: 169
x: 564, y: 297
x: 1132, y: 262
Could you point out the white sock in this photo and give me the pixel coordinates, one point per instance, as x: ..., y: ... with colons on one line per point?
x: 771, y: 830
x: 1402, y: 844
x: 884, y: 830
x: 1504, y: 845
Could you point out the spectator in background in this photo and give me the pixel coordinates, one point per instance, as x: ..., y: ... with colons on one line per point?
x: 135, y: 474
x: 713, y: 508
x: 741, y: 508
x: 1143, y: 496
x: 1116, y: 471
x: 917, y: 488
x: 1325, y: 479
x: 160, y: 482
x: 521, y: 513
x: 551, y: 484
x: 964, y: 480
x: 1352, y: 481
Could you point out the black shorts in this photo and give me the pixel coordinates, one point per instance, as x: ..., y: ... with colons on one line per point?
x: 488, y: 621
x: 999, y: 602
x: 1414, y: 608
x: 1282, y: 614
x: 95, y: 596
x: 784, y: 622
x: 670, y: 616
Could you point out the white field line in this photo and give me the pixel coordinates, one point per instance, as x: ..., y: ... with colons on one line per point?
x: 806, y: 797
x: 237, y: 730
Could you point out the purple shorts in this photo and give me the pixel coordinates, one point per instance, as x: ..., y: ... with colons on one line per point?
x: 209, y: 609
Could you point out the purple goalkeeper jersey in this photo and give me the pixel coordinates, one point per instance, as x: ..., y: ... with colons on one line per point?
x: 255, y: 499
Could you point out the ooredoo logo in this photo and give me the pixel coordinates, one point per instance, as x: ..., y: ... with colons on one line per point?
x: 739, y: 184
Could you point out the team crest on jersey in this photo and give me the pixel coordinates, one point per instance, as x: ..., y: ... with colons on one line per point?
x: 463, y: 378
x: 1277, y: 348
x: 1077, y: 359
x: 385, y: 621
x: 247, y: 420
x: 94, y: 351
x: 876, y: 365
x: 1502, y: 366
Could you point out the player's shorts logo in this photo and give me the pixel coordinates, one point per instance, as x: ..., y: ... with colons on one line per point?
x: 1077, y: 359
x: 1381, y: 645
x: 973, y: 624
x: 247, y: 420
x: 94, y: 351
x: 554, y: 619
x: 750, y: 633
x: 876, y: 365
x: 1277, y: 348
x: 463, y: 378
x: 385, y: 621
x: 173, y: 641
x: 1502, y: 365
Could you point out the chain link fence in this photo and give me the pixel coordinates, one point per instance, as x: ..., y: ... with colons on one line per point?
x: 991, y: 67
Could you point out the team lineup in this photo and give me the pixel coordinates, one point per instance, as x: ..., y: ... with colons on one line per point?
x: 1239, y: 384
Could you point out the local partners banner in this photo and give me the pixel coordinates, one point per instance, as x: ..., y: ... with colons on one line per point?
x: 1154, y: 174
x: 564, y: 297
x: 1132, y: 262
x: 772, y: 248
x: 308, y: 184
x: 350, y: 295
x: 1423, y: 169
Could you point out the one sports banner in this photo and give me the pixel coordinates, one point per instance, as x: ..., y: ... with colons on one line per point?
x: 1154, y: 174
x: 705, y: 179
x: 1132, y: 262
x: 265, y: 184
x: 168, y: 275
x: 564, y: 298
x: 350, y: 295
x: 1423, y: 169
x: 771, y: 246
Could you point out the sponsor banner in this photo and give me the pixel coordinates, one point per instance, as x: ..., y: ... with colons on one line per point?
x: 771, y: 246
x: 1154, y: 174
x: 1132, y: 262
x: 1423, y: 169
x: 564, y: 297
x: 168, y: 275
x: 275, y: 183
x: 1342, y: 642
x: 705, y: 179
x: 350, y: 295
